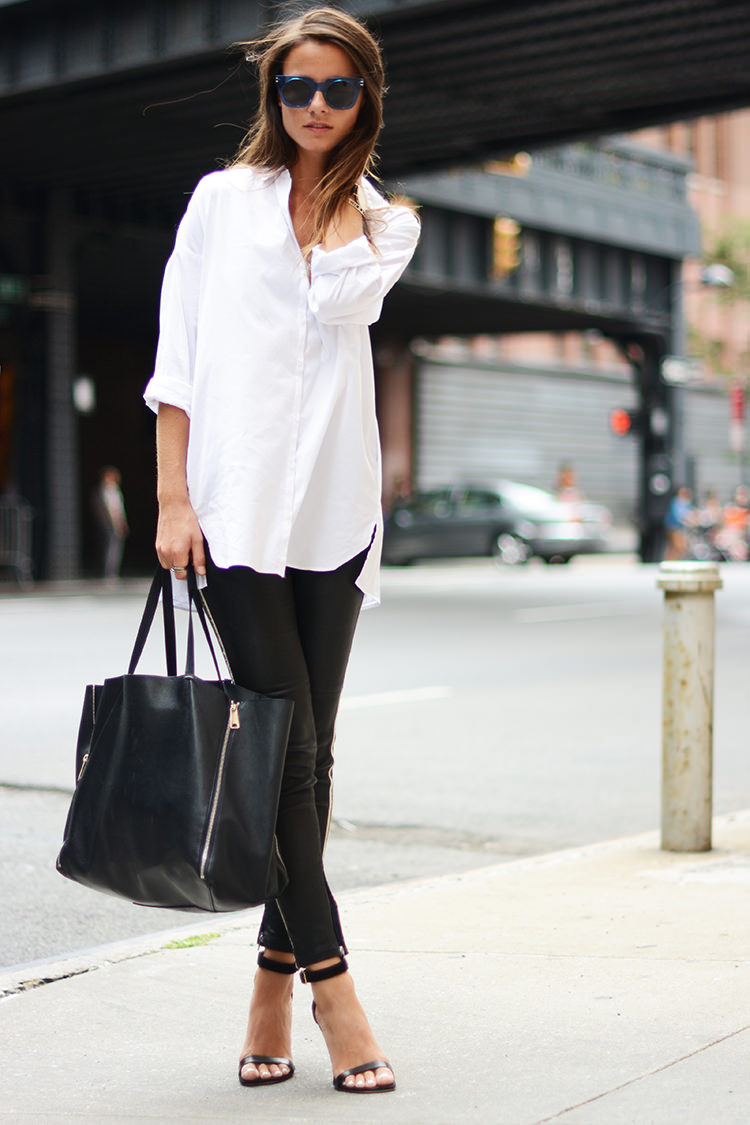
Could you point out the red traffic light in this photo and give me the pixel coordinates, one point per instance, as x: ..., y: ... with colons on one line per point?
x: 621, y: 421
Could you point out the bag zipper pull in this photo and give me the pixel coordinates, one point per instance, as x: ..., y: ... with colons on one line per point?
x: 234, y: 715
x: 84, y: 761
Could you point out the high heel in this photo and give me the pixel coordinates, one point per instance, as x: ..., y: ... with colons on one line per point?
x: 287, y: 968
x: 312, y: 976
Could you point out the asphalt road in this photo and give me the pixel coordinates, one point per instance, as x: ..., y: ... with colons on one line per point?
x: 487, y: 714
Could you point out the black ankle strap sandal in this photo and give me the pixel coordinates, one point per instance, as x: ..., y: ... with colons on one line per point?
x: 286, y: 967
x: 312, y: 976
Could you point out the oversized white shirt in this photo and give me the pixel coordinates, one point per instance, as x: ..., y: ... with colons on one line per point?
x: 274, y: 369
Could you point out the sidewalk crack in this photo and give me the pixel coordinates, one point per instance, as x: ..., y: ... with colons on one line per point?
x: 31, y: 983
x: 38, y: 982
x: 642, y: 1077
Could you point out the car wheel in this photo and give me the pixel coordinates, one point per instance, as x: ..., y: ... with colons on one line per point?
x: 510, y: 550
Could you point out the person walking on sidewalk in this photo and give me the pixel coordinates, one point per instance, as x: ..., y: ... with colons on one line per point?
x: 269, y: 463
x: 108, y: 505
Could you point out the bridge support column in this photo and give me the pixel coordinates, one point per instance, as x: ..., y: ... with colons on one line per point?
x: 54, y: 297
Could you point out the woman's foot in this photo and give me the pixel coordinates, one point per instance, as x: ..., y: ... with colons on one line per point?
x: 269, y: 1025
x: 347, y: 1033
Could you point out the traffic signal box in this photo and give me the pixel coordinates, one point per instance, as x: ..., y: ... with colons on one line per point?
x: 506, y: 247
x: 623, y: 422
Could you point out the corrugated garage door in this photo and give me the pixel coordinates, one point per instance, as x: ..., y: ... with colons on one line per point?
x: 479, y: 423
x: 707, y: 443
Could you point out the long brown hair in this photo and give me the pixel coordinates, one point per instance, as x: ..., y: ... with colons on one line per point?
x: 268, y: 146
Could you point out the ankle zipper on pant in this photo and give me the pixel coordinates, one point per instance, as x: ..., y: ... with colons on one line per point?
x: 233, y: 723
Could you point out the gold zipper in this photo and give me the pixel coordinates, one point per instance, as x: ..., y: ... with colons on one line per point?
x: 233, y: 723
x: 85, y: 758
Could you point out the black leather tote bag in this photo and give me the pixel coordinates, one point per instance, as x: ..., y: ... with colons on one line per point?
x: 178, y: 782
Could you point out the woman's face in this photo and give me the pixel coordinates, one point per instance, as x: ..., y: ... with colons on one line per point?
x: 317, y: 128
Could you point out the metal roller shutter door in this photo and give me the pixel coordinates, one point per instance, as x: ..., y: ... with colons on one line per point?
x: 481, y: 423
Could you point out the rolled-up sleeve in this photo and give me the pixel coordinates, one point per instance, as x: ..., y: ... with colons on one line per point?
x: 172, y: 379
x: 348, y: 284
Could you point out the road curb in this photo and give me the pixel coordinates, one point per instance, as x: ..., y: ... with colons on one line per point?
x: 18, y: 979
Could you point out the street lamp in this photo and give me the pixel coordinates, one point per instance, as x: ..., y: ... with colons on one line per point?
x: 717, y: 276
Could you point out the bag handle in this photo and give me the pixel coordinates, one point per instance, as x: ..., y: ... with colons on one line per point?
x: 158, y: 586
x: 162, y: 584
x: 196, y: 600
x: 167, y: 612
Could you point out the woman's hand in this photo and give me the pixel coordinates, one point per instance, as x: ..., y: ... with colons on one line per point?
x: 179, y: 539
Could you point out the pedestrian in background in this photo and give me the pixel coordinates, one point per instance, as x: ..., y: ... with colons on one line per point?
x: 566, y: 484
x: 710, y: 515
x: 679, y: 519
x: 269, y: 463
x: 109, y: 512
x: 735, y: 526
x: 704, y: 534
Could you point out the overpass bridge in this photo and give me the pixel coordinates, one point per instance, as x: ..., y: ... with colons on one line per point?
x: 112, y: 111
x: 468, y: 79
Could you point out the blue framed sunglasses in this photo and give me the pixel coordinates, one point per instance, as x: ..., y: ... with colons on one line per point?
x: 297, y: 92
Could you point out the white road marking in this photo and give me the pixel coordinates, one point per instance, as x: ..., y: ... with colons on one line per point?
x: 385, y: 698
x: 572, y: 612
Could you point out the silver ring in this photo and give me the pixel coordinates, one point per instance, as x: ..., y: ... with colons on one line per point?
x: 176, y: 568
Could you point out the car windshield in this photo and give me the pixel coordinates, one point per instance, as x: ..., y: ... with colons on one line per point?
x: 529, y: 500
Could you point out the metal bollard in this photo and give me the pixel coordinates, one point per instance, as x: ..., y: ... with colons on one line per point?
x: 688, y: 704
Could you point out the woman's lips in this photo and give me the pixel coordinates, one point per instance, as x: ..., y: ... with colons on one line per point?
x: 318, y: 127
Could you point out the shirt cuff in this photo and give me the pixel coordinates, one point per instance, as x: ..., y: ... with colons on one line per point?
x: 358, y: 252
x: 168, y: 391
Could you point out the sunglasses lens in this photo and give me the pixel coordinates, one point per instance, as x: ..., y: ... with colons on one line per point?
x: 341, y: 94
x: 297, y: 93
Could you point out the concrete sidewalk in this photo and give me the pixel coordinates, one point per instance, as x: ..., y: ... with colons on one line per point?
x: 603, y: 985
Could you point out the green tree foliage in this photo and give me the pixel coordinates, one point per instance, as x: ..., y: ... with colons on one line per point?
x: 731, y: 247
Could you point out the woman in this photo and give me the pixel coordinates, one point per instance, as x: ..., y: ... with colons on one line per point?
x: 269, y: 463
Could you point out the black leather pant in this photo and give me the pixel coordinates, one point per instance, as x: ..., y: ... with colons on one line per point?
x: 291, y: 636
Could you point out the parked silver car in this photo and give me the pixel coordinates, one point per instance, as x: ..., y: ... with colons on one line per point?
x: 509, y: 521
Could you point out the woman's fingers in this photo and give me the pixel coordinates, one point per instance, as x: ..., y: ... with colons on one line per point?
x: 198, y: 554
x: 179, y: 541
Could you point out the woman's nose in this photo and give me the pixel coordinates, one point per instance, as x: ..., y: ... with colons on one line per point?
x: 318, y: 101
